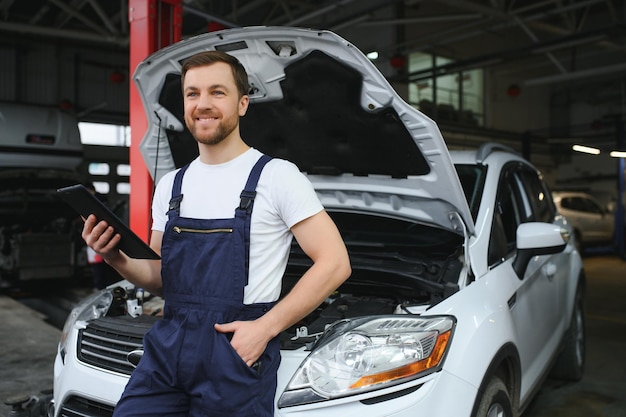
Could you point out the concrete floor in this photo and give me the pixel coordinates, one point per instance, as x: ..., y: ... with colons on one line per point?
x: 28, y: 346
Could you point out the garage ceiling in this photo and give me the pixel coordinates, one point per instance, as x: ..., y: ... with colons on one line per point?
x: 573, y: 37
x: 534, y: 42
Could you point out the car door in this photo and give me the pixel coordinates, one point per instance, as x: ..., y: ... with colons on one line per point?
x: 534, y: 307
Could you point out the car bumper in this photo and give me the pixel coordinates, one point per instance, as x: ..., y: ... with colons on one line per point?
x: 90, y: 391
x: 80, y: 389
x: 440, y: 394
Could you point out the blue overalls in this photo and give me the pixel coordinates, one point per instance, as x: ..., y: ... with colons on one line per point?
x: 188, y: 368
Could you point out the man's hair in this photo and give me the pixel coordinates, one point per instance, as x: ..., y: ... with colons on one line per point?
x: 211, y: 57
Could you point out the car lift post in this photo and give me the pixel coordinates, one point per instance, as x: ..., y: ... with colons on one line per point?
x: 154, y: 24
x: 620, y: 229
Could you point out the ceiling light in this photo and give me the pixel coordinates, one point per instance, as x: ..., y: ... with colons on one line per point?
x: 618, y: 154
x: 586, y: 149
x: 372, y: 56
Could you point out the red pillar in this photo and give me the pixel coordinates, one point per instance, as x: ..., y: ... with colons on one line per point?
x: 154, y: 24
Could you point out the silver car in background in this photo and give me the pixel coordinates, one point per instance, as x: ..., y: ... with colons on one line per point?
x: 593, y: 224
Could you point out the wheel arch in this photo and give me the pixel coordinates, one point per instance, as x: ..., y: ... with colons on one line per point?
x: 506, y: 366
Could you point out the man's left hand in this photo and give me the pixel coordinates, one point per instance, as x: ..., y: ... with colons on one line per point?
x: 249, y: 339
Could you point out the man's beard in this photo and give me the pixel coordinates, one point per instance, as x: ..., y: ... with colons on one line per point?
x: 223, y: 130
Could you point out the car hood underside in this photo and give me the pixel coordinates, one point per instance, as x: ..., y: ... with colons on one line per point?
x: 316, y: 101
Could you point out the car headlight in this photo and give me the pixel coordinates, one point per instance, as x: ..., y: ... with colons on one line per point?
x: 92, y: 307
x: 370, y: 353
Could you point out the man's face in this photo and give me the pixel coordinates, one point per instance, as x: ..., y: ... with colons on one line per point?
x: 212, y: 103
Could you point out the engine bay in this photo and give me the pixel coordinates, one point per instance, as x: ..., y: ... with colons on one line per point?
x: 398, y: 267
x: 369, y: 291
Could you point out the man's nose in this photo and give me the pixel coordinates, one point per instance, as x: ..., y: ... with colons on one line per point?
x: 205, y: 101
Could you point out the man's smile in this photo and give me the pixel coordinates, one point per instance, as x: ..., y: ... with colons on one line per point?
x: 205, y: 119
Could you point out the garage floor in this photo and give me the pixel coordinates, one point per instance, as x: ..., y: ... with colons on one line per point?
x: 28, y: 345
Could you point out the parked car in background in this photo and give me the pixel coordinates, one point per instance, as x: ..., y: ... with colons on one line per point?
x: 593, y: 224
x: 466, y: 289
x: 40, y: 151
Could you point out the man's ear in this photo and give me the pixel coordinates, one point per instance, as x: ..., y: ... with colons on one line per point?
x: 244, y: 101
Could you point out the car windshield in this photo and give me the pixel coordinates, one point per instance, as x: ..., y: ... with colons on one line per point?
x: 472, y: 179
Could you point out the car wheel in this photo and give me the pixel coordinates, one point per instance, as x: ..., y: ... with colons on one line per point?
x: 496, y: 401
x: 571, y: 362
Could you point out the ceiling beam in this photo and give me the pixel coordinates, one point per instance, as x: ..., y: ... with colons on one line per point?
x: 576, y: 75
x: 102, y: 15
x: 483, y: 61
x: 64, y: 33
x: 79, y: 16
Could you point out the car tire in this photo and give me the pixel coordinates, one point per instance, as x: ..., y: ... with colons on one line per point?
x: 496, y: 400
x: 570, y: 364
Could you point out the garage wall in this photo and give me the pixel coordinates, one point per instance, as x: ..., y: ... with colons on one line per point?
x: 528, y: 111
x: 56, y: 74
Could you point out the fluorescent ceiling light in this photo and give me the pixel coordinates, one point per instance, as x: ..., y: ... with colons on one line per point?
x: 586, y: 149
x: 373, y: 56
x: 618, y: 154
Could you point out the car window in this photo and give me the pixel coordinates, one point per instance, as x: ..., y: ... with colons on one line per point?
x: 568, y: 203
x: 527, y: 209
x: 472, y: 178
x: 522, y: 197
x: 538, y: 196
x: 581, y: 204
x: 509, y: 208
x: 591, y: 206
x: 508, y: 214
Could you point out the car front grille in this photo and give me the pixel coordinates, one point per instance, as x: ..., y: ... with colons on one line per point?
x: 82, y: 407
x: 105, y: 342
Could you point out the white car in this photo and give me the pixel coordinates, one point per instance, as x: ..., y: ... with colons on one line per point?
x: 465, y: 289
x: 592, y: 223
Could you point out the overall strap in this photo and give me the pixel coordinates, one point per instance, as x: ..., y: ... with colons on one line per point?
x: 244, y: 211
x: 249, y: 192
x: 177, y: 197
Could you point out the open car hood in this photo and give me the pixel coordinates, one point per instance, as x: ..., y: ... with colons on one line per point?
x: 317, y: 101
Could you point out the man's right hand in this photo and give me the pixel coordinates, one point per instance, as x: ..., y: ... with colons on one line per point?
x: 101, y: 238
x: 144, y: 273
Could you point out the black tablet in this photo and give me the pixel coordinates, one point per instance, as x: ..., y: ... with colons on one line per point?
x: 86, y: 203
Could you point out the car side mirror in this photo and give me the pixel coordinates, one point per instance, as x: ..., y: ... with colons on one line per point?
x: 535, y: 238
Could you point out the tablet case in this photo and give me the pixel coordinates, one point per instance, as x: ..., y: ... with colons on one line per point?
x: 85, y: 203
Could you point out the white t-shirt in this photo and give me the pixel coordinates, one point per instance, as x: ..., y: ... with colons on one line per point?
x: 284, y: 197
